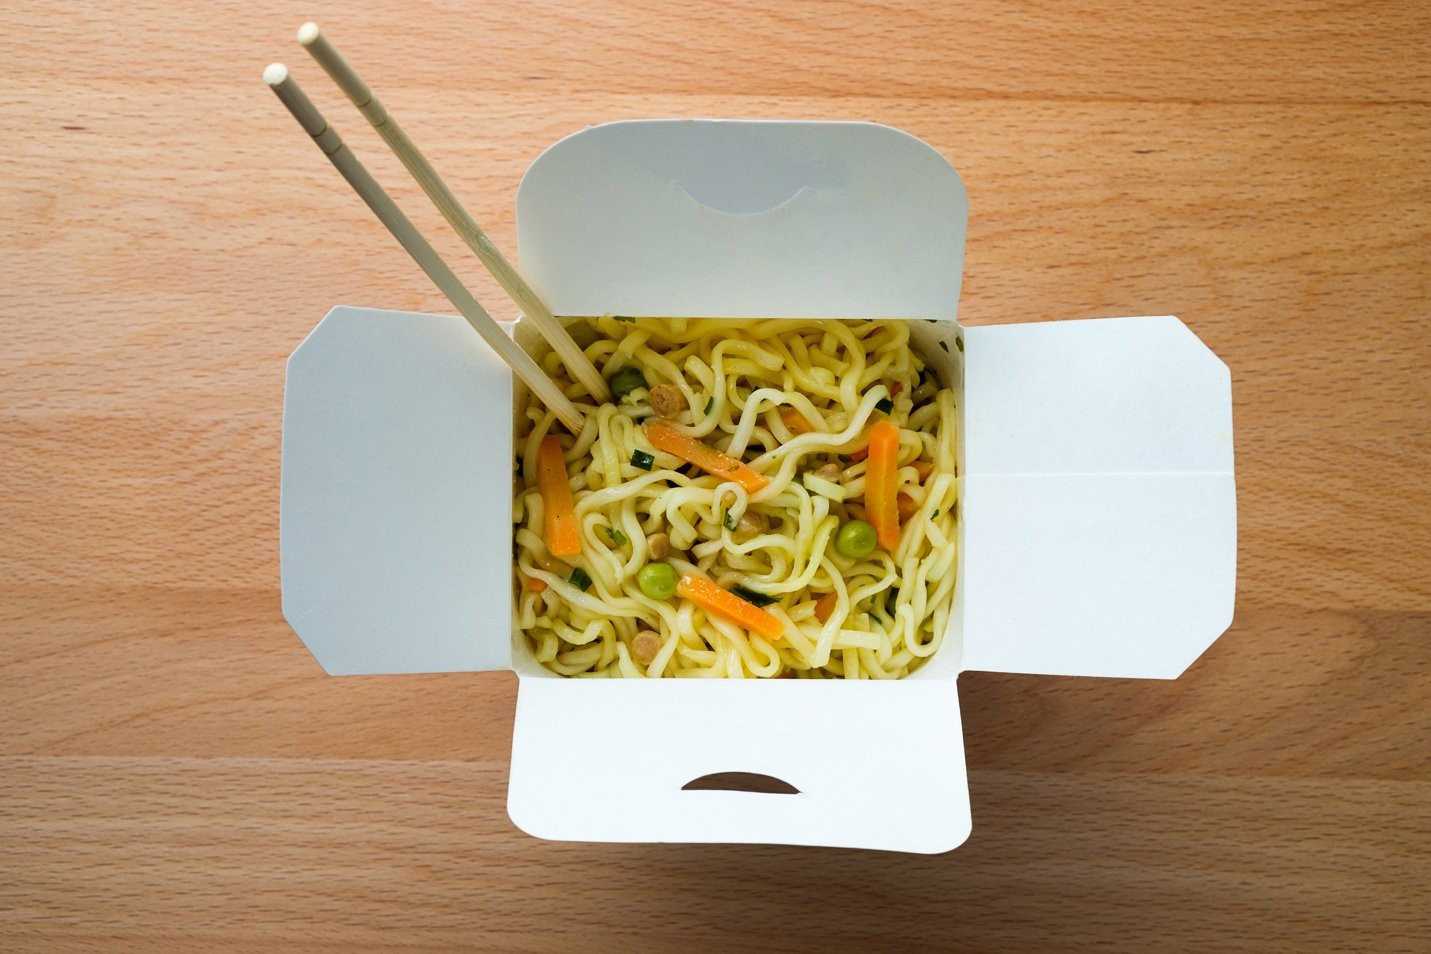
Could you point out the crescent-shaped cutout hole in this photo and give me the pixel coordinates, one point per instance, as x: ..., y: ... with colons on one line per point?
x: 740, y: 782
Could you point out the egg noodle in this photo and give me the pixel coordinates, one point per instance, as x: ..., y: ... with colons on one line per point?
x: 793, y: 399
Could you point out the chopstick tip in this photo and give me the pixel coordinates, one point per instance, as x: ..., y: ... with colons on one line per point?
x: 309, y: 33
x: 275, y: 74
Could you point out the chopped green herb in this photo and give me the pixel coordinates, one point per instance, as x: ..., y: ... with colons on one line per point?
x: 884, y: 405
x: 616, y: 536
x: 580, y: 579
x: 625, y: 318
x: 709, y: 404
x: 752, y: 597
x: 934, y: 515
x: 642, y: 460
x: 944, y: 345
x: 958, y: 343
x: 729, y: 521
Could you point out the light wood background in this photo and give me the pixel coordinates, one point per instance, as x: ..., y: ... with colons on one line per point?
x: 177, y: 774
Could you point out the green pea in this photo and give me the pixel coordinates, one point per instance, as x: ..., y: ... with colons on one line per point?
x: 658, y: 580
x: 626, y: 380
x: 855, y: 539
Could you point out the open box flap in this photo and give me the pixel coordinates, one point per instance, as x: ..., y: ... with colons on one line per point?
x: 396, y: 481
x: 1098, y: 501
x: 875, y: 764
x: 743, y: 219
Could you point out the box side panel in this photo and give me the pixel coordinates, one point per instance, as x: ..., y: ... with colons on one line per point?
x: 876, y: 765
x: 1098, y: 575
x: 392, y: 497
x: 743, y: 219
x: 1100, y: 505
x: 1107, y: 395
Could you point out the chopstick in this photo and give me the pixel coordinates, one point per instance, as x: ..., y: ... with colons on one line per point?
x: 362, y: 181
x: 531, y: 304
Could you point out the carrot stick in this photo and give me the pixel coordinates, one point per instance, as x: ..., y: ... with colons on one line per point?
x: 666, y: 436
x: 881, y: 483
x: 713, y: 598
x: 563, y: 532
x: 905, y: 506
x: 824, y: 606
x: 796, y: 422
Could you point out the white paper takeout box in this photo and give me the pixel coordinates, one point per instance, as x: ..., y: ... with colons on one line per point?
x: 1098, y: 524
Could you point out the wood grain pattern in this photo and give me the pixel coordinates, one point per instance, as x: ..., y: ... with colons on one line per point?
x: 177, y: 774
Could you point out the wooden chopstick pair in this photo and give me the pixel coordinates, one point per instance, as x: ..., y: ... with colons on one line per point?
x: 387, y: 211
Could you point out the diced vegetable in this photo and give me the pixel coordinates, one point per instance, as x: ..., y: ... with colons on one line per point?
x: 795, y: 421
x: 884, y: 405
x: 536, y: 584
x: 728, y: 521
x: 668, y: 437
x: 856, y: 539
x: 824, y: 606
x: 642, y: 460
x: 615, y: 536
x: 906, y: 507
x: 657, y: 580
x: 626, y: 380
x: 859, y: 455
x: 580, y: 579
x: 714, y: 599
x: 880, y: 483
x: 752, y: 597
x: 563, y: 533
x: 658, y: 545
x: 710, y: 403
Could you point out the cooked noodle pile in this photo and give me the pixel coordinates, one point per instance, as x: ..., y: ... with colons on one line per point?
x: 796, y: 401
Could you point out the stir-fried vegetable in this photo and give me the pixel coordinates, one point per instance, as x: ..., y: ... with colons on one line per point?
x: 563, y: 531
x: 795, y: 421
x: 855, y: 539
x: 626, y: 380
x: 657, y: 580
x: 717, y: 600
x: 667, y: 437
x: 881, y: 483
x: 824, y: 606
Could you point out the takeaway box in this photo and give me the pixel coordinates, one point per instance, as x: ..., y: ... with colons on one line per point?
x: 1098, y: 525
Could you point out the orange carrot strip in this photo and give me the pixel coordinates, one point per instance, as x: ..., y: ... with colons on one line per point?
x: 906, y: 506
x: 536, y: 584
x: 795, y: 421
x: 881, y: 476
x: 824, y: 606
x: 563, y: 532
x: 666, y: 436
x: 713, y: 598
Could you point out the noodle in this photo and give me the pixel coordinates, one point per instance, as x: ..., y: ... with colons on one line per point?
x: 790, y: 398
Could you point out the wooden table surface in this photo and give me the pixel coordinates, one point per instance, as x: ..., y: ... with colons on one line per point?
x: 177, y: 774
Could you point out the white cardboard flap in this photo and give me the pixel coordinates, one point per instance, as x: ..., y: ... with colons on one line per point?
x: 395, y: 513
x: 1098, y: 499
x: 876, y: 764
x: 743, y: 219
